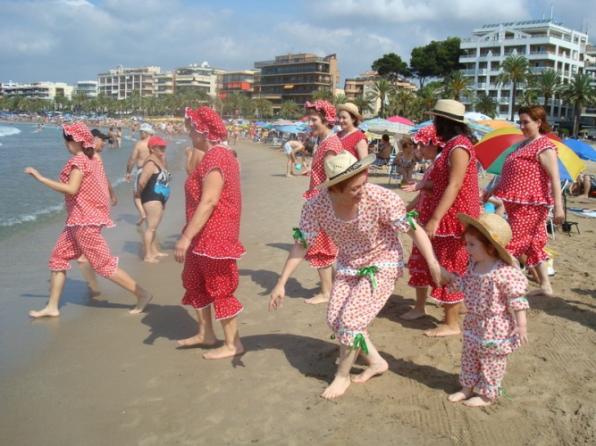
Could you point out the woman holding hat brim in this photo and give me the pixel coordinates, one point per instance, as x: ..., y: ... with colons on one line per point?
x: 495, y: 322
x: 454, y: 179
x: 351, y: 137
x: 322, y: 252
x: 362, y: 219
x: 209, y: 244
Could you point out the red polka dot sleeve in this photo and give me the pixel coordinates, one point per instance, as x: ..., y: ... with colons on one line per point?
x: 309, y: 223
x: 513, y: 286
x: 393, y: 210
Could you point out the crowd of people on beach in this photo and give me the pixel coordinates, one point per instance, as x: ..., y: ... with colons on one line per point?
x: 349, y: 231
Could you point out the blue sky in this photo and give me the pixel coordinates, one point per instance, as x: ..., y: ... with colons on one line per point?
x: 70, y: 40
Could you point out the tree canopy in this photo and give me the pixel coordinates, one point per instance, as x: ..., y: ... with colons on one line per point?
x: 437, y: 59
x: 391, y: 66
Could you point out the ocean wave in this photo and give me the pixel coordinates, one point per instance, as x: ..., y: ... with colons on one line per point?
x: 8, y: 131
x: 29, y: 218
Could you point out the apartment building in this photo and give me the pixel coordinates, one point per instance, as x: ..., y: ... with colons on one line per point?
x: 38, y: 90
x: 87, y: 88
x: 545, y: 43
x: 196, y: 77
x: 242, y: 82
x: 120, y: 83
x: 589, y: 115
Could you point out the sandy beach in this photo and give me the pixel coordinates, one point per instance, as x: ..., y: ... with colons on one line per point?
x: 100, y: 376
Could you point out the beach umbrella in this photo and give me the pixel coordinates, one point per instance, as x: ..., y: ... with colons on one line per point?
x: 497, y: 123
x: 400, y: 120
x: 478, y: 129
x: 380, y: 126
x: 290, y: 128
x: 494, y: 148
x: 475, y: 116
x: 583, y: 150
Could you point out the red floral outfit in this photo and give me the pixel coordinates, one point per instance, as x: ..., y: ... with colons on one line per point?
x: 489, y: 326
x: 525, y: 188
x: 210, y: 274
x: 351, y: 140
x: 322, y: 251
x: 88, y: 211
x: 448, y: 243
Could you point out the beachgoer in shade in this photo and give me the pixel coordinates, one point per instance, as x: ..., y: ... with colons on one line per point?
x: 362, y: 219
x: 529, y: 186
x: 454, y: 179
x: 209, y: 245
x: 154, y: 191
x: 352, y: 138
x: 84, y: 185
x: 495, y: 323
x: 137, y: 159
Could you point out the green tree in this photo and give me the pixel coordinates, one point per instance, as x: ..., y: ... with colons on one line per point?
x: 429, y: 94
x: 548, y: 83
x: 340, y: 99
x: 391, y: 66
x: 580, y: 93
x: 290, y: 110
x: 486, y: 105
x: 364, y: 104
x: 381, y: 90
x: 263, y: 108
x: 324, y: 94
x: 514, y: 71
x: 402, y: 102
x: 437, y: 59
x: 457, y: 85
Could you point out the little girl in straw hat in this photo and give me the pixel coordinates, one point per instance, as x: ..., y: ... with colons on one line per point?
x: 494, y: 294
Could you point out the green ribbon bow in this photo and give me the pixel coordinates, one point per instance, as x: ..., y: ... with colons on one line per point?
x: 490, y: 344
x: 360, y: 343
x: 369, y: 272
x: 410, y: 216
x: 298, y: 236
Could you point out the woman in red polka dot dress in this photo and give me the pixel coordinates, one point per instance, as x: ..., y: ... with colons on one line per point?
x: 362, y: 219
x: 529, y: 186
x: 209, y: 245
x: 454, y: 179
x: 86, y: 195
x: 322, y: 252
x: 352, y: 138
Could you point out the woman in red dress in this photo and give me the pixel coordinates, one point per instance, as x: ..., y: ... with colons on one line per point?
x: 209, y: 245
x: 454, y: 180
x: 322, y: 252
x: 529, y: 187
x: 351, y: 137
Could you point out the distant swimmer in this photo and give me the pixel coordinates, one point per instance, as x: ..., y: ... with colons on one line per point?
x: 137, y: 159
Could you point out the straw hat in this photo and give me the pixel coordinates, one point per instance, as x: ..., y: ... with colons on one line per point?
x: 340, y: 167
x: 350, y: 108
x: 495, y: 229
x: 450, y: 109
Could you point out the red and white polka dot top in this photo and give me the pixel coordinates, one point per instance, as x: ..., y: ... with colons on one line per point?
x: 220, y: 237
x: 331, y: 144
x: 523, y: 179
x: 350, y: 141
x: 90, y: 206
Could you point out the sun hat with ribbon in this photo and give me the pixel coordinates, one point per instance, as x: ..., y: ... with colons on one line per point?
x: 156, y: 141
x: 324, y: 107
x: 427, y: 136
x: 80, y: 133
x: 146, y: 128
x: 495, y: 229
x: 207, y: 121
x: 350, y: 108
x: 450, y: 109
x: 342, y: 166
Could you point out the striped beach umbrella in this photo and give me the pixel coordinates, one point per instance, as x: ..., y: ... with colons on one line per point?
x: 494, y: 148
x: 497, y: 123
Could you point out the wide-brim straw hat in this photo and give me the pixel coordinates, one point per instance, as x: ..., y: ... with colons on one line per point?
x: 351, y: 109
x: 344, y: 165
x: 450, y: 109
x: 495, y: 229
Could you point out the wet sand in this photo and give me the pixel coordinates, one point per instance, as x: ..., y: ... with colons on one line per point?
x: 100, y: 376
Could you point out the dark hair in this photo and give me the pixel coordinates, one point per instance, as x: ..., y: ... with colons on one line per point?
x: 313, y: 112
x: 88, y: 151
x: 309, y: 145
x: 385, y: 137
x: 536, y: 112
x: 447, y: 129
x: 475, y: 232
x: 341, y: 186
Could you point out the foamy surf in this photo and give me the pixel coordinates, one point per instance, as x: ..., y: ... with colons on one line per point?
x: 8, y: 131
x: 28, y: 218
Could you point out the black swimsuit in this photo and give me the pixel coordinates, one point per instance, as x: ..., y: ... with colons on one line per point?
x: 158, y: 186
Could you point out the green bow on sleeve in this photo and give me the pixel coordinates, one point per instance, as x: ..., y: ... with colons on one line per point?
x: 299, y: 237
x: 410, y: 216
x: 369, y: 272
x: 360, y: 343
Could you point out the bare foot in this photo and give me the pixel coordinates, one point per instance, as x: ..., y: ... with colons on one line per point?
x: 548, y: 292
x: 46, y: 312
x: 375, y: 369
x: 196, y: 340
x: 442, y: 330
x: 463, y: 394
x: 142, y: 302
x: 141, y: 220
x: 225, y: 351
x: 413, y: 314
x: 318, y: 299
x: 478, y: 401
x: 94, y: 293
x: 151, y: 260
x: 161, y: 254
x: 337, y: 388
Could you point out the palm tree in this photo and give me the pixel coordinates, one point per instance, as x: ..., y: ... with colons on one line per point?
x: 325, y: 94
x: 579, y: 92
x: 382, y: 88
x: 263, y: 108
x: 547, y: 85
x: 340, y: 99
x: 515, y: 71
x: 290, y: 110
x: 401, y: 102
x: 457, y: 85
x: 428, y: 95
x: 364, y: 104
x: 487, y: 105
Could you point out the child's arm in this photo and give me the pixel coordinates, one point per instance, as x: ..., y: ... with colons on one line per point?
x: 521, y: 323
x: 71, y: 188
x: 113, y: 196
x: 295, y: 256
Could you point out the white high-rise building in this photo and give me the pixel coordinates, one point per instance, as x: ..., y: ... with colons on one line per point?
x: 87, y: 88
x: 545, y: 43
x: 589, y: 115
x: 38, y: 90
x: 121, y: 82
